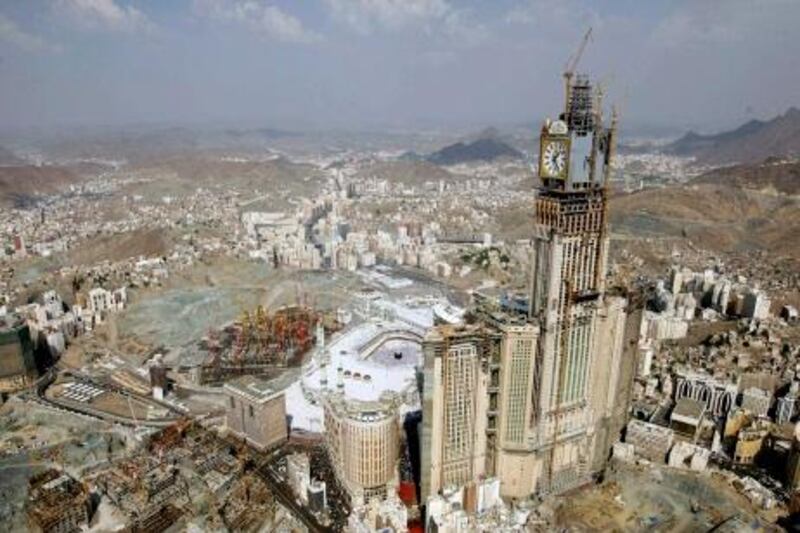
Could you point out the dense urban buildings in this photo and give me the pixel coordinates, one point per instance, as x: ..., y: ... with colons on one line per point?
x: 245, y: 328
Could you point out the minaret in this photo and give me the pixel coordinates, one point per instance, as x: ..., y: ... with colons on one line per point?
x: 320, y: 335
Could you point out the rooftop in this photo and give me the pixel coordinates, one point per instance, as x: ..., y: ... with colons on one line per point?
x: 440, y: 333
x: 360, y: 410
x: 260, y: 390
x: 688, y: 410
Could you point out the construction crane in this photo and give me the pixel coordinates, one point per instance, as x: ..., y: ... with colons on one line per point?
x: 572, y: 64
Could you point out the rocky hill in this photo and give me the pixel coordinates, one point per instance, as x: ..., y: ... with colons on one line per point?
x: 407, y: 172
x: 181, y: 174
x: 771, y: 176
x: 140, y: 242
x: 711, y: 216
x: 752, y: 142
x: 484, y: 148
x: 20, y: 185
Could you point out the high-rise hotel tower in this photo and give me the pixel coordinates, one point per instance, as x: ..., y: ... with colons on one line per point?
x: 568, y: 281
x: 541, y: 407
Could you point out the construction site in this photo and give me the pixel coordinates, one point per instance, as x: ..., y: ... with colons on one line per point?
x: 183, y: 476
x: 642, y: 498
x: 261, y: 343
x: 57, y: 502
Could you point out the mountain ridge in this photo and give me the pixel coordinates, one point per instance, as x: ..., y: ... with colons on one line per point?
x: 772, y: 175
x: 752, y: 142
x: 485, y: 146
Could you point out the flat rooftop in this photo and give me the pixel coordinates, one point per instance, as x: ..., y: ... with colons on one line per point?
x: 688, y: 410
x: 260, y: 390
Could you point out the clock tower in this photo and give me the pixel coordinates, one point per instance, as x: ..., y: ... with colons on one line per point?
x: 570, y: 249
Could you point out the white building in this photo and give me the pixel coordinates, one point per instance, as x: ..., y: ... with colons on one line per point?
x: 719, y: 397
x: 687, y: 455
x: 755, y: 305
x: 101, y: 301
x: 389, y: 515
x: 476, y: 507
x: 649, y: 440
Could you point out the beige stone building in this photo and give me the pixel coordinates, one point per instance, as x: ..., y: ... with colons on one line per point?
x: 484, y: 415
x: 612, y: 375
x: 256, y: 411
x: 516, y: 466
x: 581, y: 370
x: 363, y: 442
x: 461, y: 367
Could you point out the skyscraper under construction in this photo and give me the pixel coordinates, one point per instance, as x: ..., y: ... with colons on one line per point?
x: 557, y: 393
x: 568, y: 284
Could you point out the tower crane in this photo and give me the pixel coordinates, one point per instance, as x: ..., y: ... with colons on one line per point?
x: 572, y: 64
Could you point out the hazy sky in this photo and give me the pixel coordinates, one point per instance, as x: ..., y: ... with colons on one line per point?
x: 395, y: 63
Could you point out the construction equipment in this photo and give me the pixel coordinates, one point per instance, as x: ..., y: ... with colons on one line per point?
x: 261, y: 341
x: 578, y: 95
x: 213, y: 345
x: 572, y: 64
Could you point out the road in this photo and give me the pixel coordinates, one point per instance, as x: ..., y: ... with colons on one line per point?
x: 85, y: 409
x: 288, y: 500
x: 455, y: 295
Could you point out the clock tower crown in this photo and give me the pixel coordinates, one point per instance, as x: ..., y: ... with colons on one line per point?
x: 574, y: 149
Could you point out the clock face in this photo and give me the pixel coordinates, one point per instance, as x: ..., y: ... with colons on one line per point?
x: 554, y: 159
